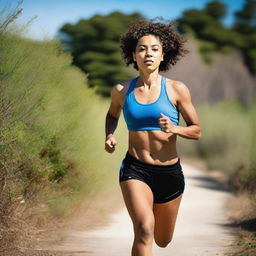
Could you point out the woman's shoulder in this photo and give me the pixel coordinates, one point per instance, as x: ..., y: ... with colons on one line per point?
x: 177, y: 90
x: 177, y: 86
x: 122, y: 87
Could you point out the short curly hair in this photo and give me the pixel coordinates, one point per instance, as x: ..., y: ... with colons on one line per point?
x: 172, y: 41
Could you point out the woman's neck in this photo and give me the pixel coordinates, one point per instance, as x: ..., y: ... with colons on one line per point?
x: 149, y: 79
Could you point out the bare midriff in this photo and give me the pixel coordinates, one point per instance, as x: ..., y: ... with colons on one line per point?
x: 153, y: 147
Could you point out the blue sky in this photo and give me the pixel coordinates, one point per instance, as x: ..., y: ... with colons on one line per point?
x: 52, y: 14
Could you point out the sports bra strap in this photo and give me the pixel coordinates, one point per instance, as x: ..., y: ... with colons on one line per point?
x: 163, y: 87
x: 132, y: 85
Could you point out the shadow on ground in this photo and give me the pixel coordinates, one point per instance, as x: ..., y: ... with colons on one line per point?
x: 248, y: 225
x: 209, y: 183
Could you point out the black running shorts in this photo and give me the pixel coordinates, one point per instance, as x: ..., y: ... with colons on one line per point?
x: 166, y: 181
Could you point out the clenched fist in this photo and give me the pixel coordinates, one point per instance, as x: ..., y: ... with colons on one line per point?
x: 110, y: 144
x: 165, y: 124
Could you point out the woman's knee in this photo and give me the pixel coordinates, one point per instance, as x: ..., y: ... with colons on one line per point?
x: 163, y: 242
x: 144, y: 231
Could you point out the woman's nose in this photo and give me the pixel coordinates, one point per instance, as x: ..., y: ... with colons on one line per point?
x: 149, y: 53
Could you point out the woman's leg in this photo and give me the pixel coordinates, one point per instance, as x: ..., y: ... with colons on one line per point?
x: 165, y: 219
x: 138, y: 198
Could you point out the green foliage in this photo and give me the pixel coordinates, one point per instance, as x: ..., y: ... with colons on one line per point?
x: 9, y: 193
x: 94, y: 44
x: 245, y: 25
x: 206, y: 26
x: 250, y: 57
x: 195, y: 20
x: 216, y: 9
x: 53, y: 154
x: 206, y: 49
x: 246, y: 18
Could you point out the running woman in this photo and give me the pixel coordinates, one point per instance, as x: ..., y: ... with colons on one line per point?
x: 151, y: 176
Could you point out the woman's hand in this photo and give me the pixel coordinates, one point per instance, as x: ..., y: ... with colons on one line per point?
x: 110, y: 144
x: 166, y: 124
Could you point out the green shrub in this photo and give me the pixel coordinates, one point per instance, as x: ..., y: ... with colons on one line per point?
x: 52, y: 125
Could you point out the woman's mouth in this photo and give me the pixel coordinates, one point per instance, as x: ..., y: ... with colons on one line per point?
x: 148, y: 61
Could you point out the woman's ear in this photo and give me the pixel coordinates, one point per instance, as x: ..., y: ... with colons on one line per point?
x: 134, y: 57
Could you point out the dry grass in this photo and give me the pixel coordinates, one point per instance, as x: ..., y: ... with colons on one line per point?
x: 241, y: 210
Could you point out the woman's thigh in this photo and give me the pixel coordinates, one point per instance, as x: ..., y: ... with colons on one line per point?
x: 138, y: 198
x: 165, y: 218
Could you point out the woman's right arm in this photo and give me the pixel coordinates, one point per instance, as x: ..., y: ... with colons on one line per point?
x: 112, y: 118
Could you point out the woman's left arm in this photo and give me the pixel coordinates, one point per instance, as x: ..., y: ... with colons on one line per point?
x: 188, y: 112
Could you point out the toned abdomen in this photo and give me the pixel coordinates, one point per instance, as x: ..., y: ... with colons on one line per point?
x: 153, y: 147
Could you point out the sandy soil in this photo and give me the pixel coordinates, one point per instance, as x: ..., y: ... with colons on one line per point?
x: 200, y: 228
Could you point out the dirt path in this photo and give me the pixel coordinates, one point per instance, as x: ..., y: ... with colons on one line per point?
x: 200, y: 228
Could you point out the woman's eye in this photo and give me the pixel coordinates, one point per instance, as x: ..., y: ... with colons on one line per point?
x: 155, y: 50
x: 141, y: 49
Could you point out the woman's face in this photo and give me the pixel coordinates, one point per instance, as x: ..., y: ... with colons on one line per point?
x: 148, y: 52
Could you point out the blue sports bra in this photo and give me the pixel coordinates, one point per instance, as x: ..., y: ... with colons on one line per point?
x: 140, y: 117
